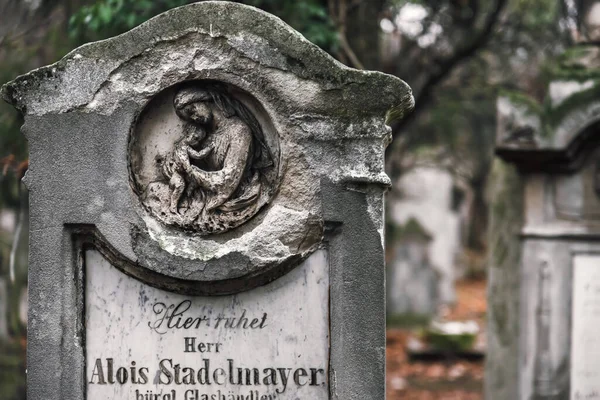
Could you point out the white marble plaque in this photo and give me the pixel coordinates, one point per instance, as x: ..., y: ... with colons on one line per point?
x: 585, y: 336
x: 144, y: 343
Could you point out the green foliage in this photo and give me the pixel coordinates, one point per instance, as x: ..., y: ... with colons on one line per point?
x: 408, y: 320
x: 523, y: 99
x: 573, y: 65
x: 106, y: 18
x: 411, y: 230
x: 552, y: 115
x: 309, y: 17
x: 13, y: 146
x: 461, y: 121
x: 574, y: 102
x: 536, y: 14
x: 19, y: 55
x: 446, y: 342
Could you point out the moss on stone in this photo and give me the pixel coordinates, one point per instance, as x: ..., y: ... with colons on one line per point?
x: 446, y: 342
x: 398, y: 112
x: 551, y: 116
x: 506, y: 213
x: 412, y: 229
x: 531, y: 107
x: 522, y: 99
x: 408, y: 320
x: 577, y: 64
x: 570, y: 65
x: 506, y: 220
x: 577, y: 100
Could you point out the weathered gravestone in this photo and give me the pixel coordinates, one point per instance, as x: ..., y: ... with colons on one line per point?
x: 206, y: 214
x: 412, y: 282
x: 428, y: 196
x: 544, y: 309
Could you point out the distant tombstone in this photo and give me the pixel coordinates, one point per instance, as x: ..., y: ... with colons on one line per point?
x: 427, y: 197
x: 412, y: 283
x: 206, y: 214
x: 545, y: 262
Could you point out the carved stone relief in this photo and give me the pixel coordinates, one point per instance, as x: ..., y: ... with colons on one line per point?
x: 201, y: 159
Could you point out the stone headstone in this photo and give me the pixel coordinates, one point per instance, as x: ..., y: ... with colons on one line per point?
x: 427, y: 197
x: 544, y: 238
x: 412, y: 283
x: 206, y: 214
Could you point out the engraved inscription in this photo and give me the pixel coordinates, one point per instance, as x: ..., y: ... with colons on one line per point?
x: 146, y: 344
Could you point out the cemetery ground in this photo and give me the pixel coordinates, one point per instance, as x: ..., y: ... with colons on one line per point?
x: 449, y: 379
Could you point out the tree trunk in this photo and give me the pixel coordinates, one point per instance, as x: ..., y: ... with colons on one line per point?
x: 363, y: 31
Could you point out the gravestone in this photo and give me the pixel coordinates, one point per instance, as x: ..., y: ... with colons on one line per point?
x: 206, y: 198
x: 427, y: 196
x: 412, y: 283
x: 545, y: 236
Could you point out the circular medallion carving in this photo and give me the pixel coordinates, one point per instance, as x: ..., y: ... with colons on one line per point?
x: 204, y: 157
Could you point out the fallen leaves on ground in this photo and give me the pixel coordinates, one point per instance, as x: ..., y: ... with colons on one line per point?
x: 449, y: 379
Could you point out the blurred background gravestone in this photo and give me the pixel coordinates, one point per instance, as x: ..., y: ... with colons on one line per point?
x: 545, y: 256
x: 430, y: 197
x: 411, y: 280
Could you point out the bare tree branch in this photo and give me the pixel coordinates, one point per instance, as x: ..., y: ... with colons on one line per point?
x: 356, y: 63
x: 331, y: 8
x: 354, y: 4
x: 446, y: 67
x: 340, y: 20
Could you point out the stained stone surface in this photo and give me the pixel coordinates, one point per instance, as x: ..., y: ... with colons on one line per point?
x: 543, y: 231
x: 585, y: 343
x: 506, y: 219
x: 412, y: 283
x: 277, y: 336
